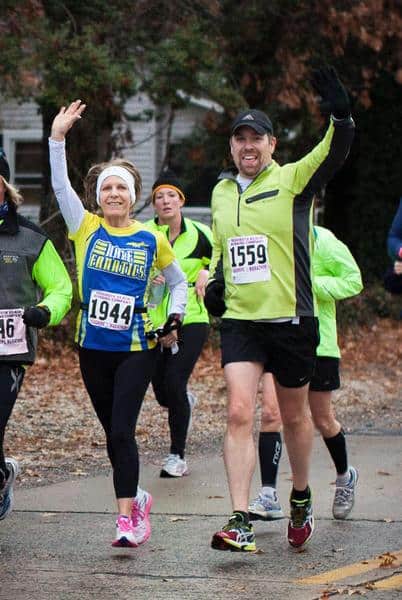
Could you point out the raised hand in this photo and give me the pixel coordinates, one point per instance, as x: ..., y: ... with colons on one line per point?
x: 334, y: 97
x: 65, y: 119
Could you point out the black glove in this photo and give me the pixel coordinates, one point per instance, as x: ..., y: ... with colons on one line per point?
x: 36, y: 316
x: 214, y: 302
x: 334, y: 97
x: 173, y: 322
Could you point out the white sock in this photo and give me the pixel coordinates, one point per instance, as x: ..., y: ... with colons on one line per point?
x: 342, y: 480
x: 268, y: 491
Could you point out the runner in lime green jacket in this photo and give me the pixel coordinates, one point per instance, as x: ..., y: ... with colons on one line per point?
x: 336, y: 276
x: 192, y: 245
x: 262, y: 242
x: 193, y: 248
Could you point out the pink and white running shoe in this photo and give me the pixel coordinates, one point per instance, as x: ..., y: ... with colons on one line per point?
x: 125, y: 535
x: 140, y: 510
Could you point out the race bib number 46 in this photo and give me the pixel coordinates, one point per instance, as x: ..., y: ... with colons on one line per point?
x: 249, y: 258
x: 111, y: 311
x: 12, y: 332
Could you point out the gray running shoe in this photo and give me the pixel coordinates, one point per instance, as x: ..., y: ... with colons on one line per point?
x: 265, y: 508
x: 6, y: 492
x: 345, y: 496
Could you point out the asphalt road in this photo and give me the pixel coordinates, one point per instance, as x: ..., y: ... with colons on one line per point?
x: 56, y: 543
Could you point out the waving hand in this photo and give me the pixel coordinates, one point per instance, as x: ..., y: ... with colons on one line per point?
x: 65, y: 119
x: 334, y: 97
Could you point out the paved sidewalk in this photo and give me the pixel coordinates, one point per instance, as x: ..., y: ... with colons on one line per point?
x: 56, y: 543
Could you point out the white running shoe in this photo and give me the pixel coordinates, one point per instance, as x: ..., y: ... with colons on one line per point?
x: 140, y: 510
x: 125, y: 535
x: 7, y: 491
x: 174, y: 466
x: 345, y: 496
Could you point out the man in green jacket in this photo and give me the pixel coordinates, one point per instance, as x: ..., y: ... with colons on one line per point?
x: 35, y: 291
x: 262, y: 244
x: 336, y: 276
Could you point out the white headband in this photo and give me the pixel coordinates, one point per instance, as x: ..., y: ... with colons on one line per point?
x: 119, y: 172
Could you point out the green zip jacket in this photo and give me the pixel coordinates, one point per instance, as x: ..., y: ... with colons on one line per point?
x: 193, y: 249
x: 336, y: 276
x: 262, y: 238
x: 31, y: 272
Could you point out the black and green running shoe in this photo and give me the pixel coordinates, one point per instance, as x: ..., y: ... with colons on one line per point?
x: 237, y: 535
x: 301, y: 522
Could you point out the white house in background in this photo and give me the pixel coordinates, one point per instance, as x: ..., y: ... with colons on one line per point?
x: 21, y: 136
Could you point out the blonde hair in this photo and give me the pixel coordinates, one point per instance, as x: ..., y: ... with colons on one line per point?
x: 12, y: 194
x: 94, y: 172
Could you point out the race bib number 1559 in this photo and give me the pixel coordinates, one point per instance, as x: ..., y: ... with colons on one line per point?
x: 249, y: 258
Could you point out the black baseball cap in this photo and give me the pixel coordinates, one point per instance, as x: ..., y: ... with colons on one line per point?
x: 256, y: 119
x: 4, y: 166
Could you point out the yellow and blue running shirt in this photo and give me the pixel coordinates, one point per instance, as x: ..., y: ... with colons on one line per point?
x: 114, y: 266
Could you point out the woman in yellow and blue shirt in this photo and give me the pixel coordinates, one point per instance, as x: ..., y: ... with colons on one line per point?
x: 115, y: 257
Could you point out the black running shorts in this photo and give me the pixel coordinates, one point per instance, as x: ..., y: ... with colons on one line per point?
x: 286, y: 350
x: 326, y: 374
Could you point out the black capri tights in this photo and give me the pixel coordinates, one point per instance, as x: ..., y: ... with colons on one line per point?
x: 116, y: 383
x: 170, y: 382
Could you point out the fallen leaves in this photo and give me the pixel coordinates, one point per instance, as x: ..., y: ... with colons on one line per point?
x: 387, y: 560
x: 382, y: 345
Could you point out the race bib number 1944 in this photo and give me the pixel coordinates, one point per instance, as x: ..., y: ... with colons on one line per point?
x: 110, y: 310
x: 249, y: 258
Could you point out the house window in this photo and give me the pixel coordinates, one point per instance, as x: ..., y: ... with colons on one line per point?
x: 28, y: 171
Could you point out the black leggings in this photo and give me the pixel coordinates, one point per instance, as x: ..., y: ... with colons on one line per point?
x: 170, y: 381
x: 11, y: 377
x: 116, y: 383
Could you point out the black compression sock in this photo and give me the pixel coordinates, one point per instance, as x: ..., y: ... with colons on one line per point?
x: 337, y: 448
x: 269, y: 452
